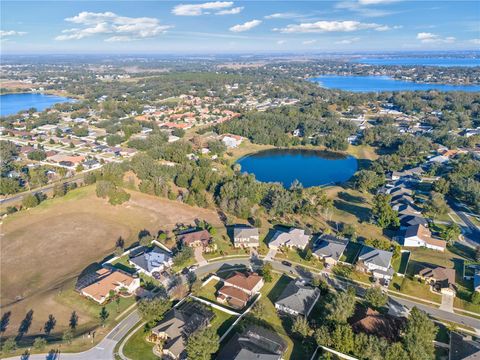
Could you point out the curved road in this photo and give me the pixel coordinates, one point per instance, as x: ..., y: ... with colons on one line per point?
x: 104, y: 350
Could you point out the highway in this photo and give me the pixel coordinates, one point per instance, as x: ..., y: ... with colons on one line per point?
x: 104, y: 350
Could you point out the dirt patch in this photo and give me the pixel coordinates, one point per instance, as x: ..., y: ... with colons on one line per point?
x: 44, y: 248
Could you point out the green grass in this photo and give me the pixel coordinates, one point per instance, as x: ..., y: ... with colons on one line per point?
x: 208, y: 291
x: 138, y: 348
x: 296, y: 256
x: 415, y: 288
x: 400, y: 264
x: 122, y: 264
x: 351, y: 252
x: 222, y: 321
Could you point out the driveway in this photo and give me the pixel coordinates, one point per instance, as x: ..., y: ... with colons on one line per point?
x: 447, y: 303
x: 271, y: 254
x: 199, y: 256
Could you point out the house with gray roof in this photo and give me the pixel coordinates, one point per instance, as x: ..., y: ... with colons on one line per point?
x: 255, y: 343
x: 297, y: 298
x: 292, y: 238
x: 329, y: 248
x: 245, y: 236
x: 463, y: 347
x: 151, y: 260
x: 376, y: 261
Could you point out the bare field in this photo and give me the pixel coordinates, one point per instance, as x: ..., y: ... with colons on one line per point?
x: 45, y: 248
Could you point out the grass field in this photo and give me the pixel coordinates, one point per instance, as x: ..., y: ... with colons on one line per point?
x: 137, y: 347
x: 44, y: 249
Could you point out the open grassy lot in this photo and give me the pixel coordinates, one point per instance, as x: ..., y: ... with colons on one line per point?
x: 400, y: 264
x: 222, y: 321
x: 44, y: 249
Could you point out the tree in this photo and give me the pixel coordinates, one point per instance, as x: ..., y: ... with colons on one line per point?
x: 343, y: 338
x: 73, y: 320
x: 146, y: 240
x: 30, y: 201
x: 366, y: 180
x: 49, y: 324
x: 258, y: 310
x: 59, y: 190
x: 451, y: 233
x: 181, y: 257
x: 153, y: 310
x: 342, y: 306
x: 322, y: 336
x: 104, y: 188
x: 67, y: 336
x: 308, y: 254
x: 383, y: 213
x: 441, y: 186
x: 202, y: 344
x: 103, y: 315
x: 436, y: 205
x: 4, y: 321
x: 375, y: 297
x: 267, y: 271
x: 476, y: 298
x: 9, y: 186
x: 419, y: 336
x: 300, y: 326
x: 9, y: 345
x: 396, y: 352
x: 37, y: 155
x: 39, y: 343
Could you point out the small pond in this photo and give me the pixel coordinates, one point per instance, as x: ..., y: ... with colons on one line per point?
x: 310, y: 167
x: 11, y: 104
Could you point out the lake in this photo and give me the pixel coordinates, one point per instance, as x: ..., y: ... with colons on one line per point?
x: 11, y: 104
x: 383, y: 83
x: 422, y: 61
x: 310, y: 167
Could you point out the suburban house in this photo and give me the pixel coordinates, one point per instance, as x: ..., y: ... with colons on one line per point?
x: 407, y: 220
x: 297, y: 298
x: 368, y: 321
x: 245, y: 236
x: 293, y: 238
x: 420, y: 236
x: 239, y: 288
x: 377, y: 262
x: 232, y: 141
x: 254, y: 342
x: 329, y: 249
x: 151, y: 261
x: 411, y: 173
x: 196, y: 238
x: 440, y: 278
x: 178, y: 325
x: 107, y: 281
x: 463, y: 347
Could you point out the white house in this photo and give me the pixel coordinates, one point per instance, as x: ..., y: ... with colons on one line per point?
x: 152, y: 261
x: 293, y: 238
x: 420, y: 236
x: 377, y: 262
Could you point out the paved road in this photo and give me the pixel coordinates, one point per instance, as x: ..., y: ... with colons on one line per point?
x: 471, y: 233
x: 104, y: 350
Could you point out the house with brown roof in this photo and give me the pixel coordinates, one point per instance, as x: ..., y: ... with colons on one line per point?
x: 107, y: 281
x: 371, y: 322
x: 420, y: 236
x: 196, y: 238
x: 440, y: 278
x: 239, y: 288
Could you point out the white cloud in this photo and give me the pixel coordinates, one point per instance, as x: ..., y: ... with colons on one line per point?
x: 347, y: 41
x: 281, y: 42
x: 309, y: 42
x: 245, y: 26
x: 232, y: 11
x: 121, y: 28
x: 8, y: 33
x: 332, y: 26
x: 285, y: 15
x: 221, y: 8
x: 375, y: 2
x: 475, y: 41
x: 430, y: 38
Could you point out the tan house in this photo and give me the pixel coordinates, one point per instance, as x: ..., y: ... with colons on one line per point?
x: 245, y: 236
x: 108, y: 281
x: 198, y: 238
x: 239, y: 288
x: 440, y: 278
x: 420, y: 236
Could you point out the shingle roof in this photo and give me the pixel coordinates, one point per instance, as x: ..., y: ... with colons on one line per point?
x: 375, y: 256
x: 446, y: 277
x: 193, y: 236
x: 109, y: 281
x: 244, y: 231
x: 298, y: 297
x: 463, y: 347
x: 245, y: 281
x: 330, y: 247
x: 152, y: 259
x: 293, y: 237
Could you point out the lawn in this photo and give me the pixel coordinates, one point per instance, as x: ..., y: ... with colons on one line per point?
x: 222, y: 321
x: 208, y: 291
x: 297, y: 257
x: 351, y: 252
x: 413, y: 287
x: 123, y: 264
x: 138, y: 348
x: 400, y: 264
x: 71, y: 234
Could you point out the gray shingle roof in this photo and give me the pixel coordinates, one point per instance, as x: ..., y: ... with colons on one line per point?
x: 298, y: 297
x: 330, y: 247
x: 375, y: 256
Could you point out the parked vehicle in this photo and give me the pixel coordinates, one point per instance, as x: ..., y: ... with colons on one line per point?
x: 286, y: 263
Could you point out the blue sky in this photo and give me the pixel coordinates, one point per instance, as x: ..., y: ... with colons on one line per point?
x: 237, y: 26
